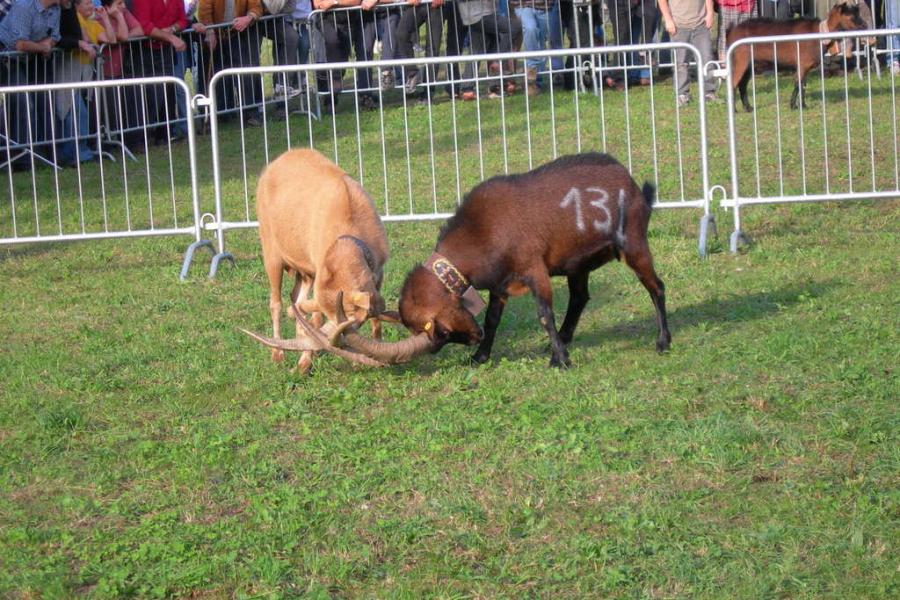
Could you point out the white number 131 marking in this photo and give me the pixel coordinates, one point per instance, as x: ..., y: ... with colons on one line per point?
x: 573, y: 196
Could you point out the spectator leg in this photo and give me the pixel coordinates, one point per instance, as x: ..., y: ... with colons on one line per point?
x: 702, y: 39
x: 250, y: 96
x: 648, y: 14
x: 407, y: 32
x: 554, y: 34
x: 434, y: 29
x: 892, y: 21
x: 285, y: 44
x: 362, y: 33
x: 620, y: 14
x: 478, y: 42
x: 682, y: 77
x: 179, y: 68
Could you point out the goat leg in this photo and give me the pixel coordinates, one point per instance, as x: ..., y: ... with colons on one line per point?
x: 496, y: 304
x: 794, y: 95
x: 304, y: 363
x: 578, y: 299
x: 543, y: 295
x: 641, y: 262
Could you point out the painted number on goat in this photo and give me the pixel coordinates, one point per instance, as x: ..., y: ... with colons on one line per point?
x: 604, y: 224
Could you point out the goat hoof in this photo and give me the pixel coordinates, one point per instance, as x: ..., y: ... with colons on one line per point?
x: 479, y: 358
x: 748, y: 109
x: 277, y: 355
x: 560, y: 362
x: 304, y: 365
x: 662, y: 345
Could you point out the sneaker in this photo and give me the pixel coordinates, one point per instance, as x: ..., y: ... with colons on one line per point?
x: 412, y: 82
x: 895, y: 68
x: 286, y: 91
x: 253, y: 121
x: 468, y: 95
x: 683, y: 100
x: 711, y: 97
x: 387, y: 80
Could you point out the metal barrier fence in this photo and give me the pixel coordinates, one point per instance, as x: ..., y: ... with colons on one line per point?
x: 831, y: 147
x: 419, y: 159
x: 105, y: 196
x: 141, y: 57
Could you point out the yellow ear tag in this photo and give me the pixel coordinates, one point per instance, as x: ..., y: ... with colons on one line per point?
x: 428, y: 326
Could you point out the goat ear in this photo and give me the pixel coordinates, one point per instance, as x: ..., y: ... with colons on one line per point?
x: 361, y: 299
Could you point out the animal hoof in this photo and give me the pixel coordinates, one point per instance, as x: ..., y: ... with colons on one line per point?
x: 560, y: 362
x: 748, y: 109
x: 277, y: 355
x: 479, y: 358
x: 304, y: 365
x: 662, y: 345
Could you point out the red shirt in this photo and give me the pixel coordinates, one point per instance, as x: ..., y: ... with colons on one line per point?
x: 743, y: 6
x: 159, y: 14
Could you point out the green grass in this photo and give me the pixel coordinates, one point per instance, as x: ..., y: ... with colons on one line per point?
x: 148, y: 449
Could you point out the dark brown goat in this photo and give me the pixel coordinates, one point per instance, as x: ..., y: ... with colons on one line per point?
x: 511, y: 235
x: 802, y: 55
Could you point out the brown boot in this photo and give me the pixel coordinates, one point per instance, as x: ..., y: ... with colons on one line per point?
x: 531, y: 81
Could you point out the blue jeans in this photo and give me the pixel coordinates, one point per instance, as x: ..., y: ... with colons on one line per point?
x: 892, y: 21
x: 536, y: 26
x: 179, y: 127
x: 78, y: 120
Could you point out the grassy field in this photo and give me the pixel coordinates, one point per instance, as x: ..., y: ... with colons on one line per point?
x: 148, y: 449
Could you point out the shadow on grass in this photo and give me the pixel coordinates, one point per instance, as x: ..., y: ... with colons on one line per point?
x: 733, y: 309
x: 27, y: 250
x: 641, y: 333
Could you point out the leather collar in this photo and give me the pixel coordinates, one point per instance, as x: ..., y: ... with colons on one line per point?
x: 455, y: 282
x: 366, y: 251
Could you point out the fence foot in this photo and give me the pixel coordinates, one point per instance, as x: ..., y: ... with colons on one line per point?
x: 737, y: 240
x: 214, y: 267
x: 707, y: 225
x: 189, y: 256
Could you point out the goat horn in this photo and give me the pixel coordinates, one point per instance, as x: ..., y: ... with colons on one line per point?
x: 295, y: 344
x: 331, y: 331
x: 389, y: 352
x: 386, y: 352
x: 325, y: 345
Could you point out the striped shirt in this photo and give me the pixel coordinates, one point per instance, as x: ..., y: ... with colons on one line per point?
x: 29, y: 20
x: 5, y: 5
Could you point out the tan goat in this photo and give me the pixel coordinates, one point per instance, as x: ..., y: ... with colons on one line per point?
x: 320, y: 224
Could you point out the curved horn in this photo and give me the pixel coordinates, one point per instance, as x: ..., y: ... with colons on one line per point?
x: 331, y: 332
x: 386, y: 352
x: 324, y: 344
x: 294, y: 344
x: 389, y: 352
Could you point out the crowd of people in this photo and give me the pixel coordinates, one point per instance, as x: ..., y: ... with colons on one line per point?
x: 45, y: 41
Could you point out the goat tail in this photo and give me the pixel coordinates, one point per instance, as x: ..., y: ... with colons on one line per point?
x: 649, y: 192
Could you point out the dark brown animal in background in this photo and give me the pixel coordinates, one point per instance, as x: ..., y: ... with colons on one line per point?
x: 510, y: 236
x: 803, y: 55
